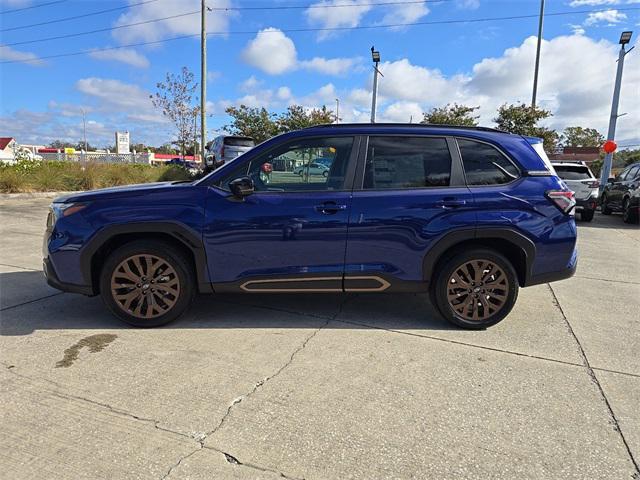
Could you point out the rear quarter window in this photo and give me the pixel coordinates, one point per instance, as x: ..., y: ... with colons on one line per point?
x: 485, y: 164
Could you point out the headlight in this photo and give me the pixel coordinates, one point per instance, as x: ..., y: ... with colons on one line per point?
x: 65, y: 209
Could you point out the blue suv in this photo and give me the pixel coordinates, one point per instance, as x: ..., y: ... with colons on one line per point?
x: 466, y: 214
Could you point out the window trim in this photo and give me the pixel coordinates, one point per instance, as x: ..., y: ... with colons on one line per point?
x: 348, y: 176
x: 518, y: 178
x: 456, y: 179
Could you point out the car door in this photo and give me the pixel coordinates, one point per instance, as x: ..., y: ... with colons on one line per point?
x: 616, y: 188
x: 290, y: 234
x: 409, y: 192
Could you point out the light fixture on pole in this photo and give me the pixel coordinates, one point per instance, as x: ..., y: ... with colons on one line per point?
x: 625, y: 38
x: 337, y: 110
x: 375, y: 56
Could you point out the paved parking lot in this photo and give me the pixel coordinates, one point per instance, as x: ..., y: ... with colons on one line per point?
x: 324, y: 386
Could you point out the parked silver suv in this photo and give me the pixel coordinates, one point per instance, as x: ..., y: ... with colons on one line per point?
x: 585, y: 185
x: 225, y: 148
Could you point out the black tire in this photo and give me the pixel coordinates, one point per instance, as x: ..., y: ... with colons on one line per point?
x: 604, y: 208
x: 509, y: 289
x: 628, y: 215
x: 325, y: 174
x: 179, y: 270
x: 586, y: 215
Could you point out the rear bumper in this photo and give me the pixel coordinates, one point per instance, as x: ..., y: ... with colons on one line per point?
x: 554, y: 276
x: 54, y: 281
x: 589, y: 204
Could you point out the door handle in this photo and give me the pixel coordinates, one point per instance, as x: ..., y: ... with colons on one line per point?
x: 451, y: 203
x: 329, y: 208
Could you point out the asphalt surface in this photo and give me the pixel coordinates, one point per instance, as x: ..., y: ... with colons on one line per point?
x: 322, y: 386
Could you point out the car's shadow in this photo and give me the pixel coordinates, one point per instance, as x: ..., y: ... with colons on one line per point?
x: 607, y: 221
x: 42, y: 308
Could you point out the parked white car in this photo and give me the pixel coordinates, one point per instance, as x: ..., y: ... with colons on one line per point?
x: 312, y: 169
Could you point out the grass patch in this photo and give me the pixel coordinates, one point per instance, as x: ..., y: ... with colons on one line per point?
x: 51, y: 176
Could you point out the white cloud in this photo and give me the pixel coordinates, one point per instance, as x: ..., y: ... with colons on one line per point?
x: 217, y: 20
x: 348, y: 14
x: 406, y: 13
x: 284, y: 93
x: 468, y: 4
x: 213, y: 75
x: 607, y: 16
x: 577, y: 29
x: 123, y: 55
x: 402, y: 112
x: 274, y: 53
x: 271, y: 51
x: 11, y: 55
x: 250, y: 84
x: 329, y: 66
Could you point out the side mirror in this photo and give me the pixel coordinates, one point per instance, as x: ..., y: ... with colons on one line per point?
x: 242, y: 186
x: 611, y: 180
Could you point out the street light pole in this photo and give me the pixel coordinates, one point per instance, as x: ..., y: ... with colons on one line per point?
x: 337, y: 110
x: 84, y: 129
x: 203, y: 80
x: 625, y: 38
x: 537, y: 67
x: 375, y: 56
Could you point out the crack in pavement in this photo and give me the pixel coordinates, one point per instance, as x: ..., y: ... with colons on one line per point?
x: 30, y: 301
x: 21, y: 268
x: 234, y: 461
x: 606, y: 280
x: 202, y: 438
x: 595, y: 380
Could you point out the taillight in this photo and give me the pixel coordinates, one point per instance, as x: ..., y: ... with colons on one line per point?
x: 592, y: 183
x: 222, y: 151
x: 563, y: 199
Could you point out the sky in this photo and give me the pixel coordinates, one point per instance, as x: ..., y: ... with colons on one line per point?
x: 267, y: 54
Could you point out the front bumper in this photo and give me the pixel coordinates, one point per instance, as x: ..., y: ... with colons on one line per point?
x: 54, y: 281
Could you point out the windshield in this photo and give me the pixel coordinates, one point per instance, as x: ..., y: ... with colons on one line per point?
x: 239, y: 142
x: 572, y: 172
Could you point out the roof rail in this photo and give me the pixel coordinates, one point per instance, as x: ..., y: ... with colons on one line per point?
x: 403, y: 125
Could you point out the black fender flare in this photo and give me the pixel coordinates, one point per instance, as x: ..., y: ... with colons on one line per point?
x: 186, y: 236
x: 451, y: 239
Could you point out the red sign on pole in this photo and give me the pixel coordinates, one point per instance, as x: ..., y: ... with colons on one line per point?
x: 609, y: 146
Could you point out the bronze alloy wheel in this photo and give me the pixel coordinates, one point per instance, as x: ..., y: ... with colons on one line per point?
x: 477, y: 289
x: 145, y: 286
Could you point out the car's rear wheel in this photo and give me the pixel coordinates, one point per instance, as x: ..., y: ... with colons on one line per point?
x: 476, y: 289
x: 586, y: 215
x: 325, y: 174
x: 147, y: 283
x: 628, y: 214
x: 606, y: 210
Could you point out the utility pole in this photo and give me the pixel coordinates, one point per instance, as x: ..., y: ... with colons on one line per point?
x: 203, y: 80
x: 537, y: 67
x: 375, y: 56
x: 337, y: 110
x: 625, y: 38
x: 84, y: 129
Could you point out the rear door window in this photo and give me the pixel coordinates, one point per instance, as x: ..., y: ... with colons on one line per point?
x: 572, y: 172
x: 485, y: 164
x: 407, y: 162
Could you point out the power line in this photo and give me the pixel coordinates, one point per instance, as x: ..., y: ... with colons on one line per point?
x: 106, y: 29
x: 75, y: 17
x: 347, y: 5
x: 31, y: 7
x: 320, y: 29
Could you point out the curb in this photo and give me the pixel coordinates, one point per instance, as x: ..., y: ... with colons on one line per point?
x: 27, y: 195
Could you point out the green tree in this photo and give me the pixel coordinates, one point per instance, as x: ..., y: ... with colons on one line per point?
x: 257, y: 123
x: 297, y: 117
x: 452, y: 114
x: 523, y: 120
x: 175, y: 97
x: 59, y: 144
x: 581, y: 137
x: 623, y: 158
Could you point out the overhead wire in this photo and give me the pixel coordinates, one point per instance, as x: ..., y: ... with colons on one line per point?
x: 31, y: 7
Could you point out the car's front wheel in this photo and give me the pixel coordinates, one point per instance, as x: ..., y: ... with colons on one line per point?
x: 147, y: 283
x: 628, y: 214
x: 476, y: 289
x: 605, y: 208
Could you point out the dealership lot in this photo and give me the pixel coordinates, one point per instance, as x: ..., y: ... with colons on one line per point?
x: 322, y: 386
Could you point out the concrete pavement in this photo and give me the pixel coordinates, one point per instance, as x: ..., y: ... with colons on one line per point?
x: 322, y: 386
